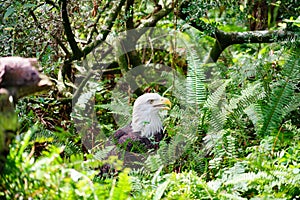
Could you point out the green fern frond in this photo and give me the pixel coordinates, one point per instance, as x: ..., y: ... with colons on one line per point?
x: 212, y: 139
x: 214, y: 104
x: 231, y: 146
x: 214, y: 99
x: 153, y: 162
x: 168, y: 153
x: 196, y: 91
x: 121, y: 189
x: 282, y: 97
x: 293, y: 105
x: 254, y: 112
x: 274, y: 111
x: 102, y: 154
x: 249, y: 95
x: 217, y: 120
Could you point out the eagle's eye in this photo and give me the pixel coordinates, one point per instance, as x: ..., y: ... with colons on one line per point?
x: 151, y: 101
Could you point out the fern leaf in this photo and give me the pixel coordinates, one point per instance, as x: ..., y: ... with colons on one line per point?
x: 280, y: 98
x: 214, y: 99
x: 255, y: 114
x: 248, y: 96
x: 195, y: 79
x: 123, y: 187
x: 160, y: 190
x: 103, y: 153
x: 218, y: 114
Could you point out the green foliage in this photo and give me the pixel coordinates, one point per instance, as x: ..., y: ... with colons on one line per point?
x: 52, y: 177
x: 234, y: 128
x: 195, y: 79
x: 282, y: 98
x: 265, y: 173
x: 122, y: 188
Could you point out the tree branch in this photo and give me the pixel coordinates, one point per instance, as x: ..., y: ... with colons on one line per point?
x: 129, y: 13
x: 106, y: 30
x: 77, y: 53
x: 59, y: 42
x: 94, y: 30
x: 131, y: 57
x: 225, y: 39
x: 155, y: 17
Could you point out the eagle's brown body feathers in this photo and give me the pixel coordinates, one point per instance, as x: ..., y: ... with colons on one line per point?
x: 142, y: 135
x: 146, y: 128
x: 127, y: 138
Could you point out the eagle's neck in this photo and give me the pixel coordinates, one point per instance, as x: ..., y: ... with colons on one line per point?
x: 146, y: 123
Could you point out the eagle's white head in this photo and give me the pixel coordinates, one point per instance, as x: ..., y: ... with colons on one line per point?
x: 145, y: 116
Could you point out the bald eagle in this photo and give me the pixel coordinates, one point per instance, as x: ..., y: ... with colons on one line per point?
x: 146, y: 128
x: 143, y: 133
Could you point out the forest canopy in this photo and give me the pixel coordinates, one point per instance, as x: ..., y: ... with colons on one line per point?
x: 230, y: 69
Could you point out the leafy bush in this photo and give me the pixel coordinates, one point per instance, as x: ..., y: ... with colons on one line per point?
x: 52, y: 177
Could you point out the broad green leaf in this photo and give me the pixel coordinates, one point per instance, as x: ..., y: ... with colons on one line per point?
x: 9, y: 12
x: 29, y: 5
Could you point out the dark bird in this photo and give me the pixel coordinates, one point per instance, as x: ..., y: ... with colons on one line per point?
x: 143, y: 133
x: 146, y: 127
x: 21, y: 76
x: 18, y: 77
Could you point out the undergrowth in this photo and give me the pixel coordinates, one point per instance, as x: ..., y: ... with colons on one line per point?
x: 241, y: 142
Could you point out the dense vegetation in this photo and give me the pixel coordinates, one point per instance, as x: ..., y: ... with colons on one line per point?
x: 235, y: 121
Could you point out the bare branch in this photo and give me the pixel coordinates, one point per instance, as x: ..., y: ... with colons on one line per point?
x: 59, y: 42
x: 129, y: 13
x: 94, y: 30
x: 225, y: 39
x: 77, y: 53
x: 153, y: 19
x: 106, y: 30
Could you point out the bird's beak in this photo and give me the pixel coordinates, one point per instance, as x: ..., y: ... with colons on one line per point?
x: 166, y: 102
x: 45, y: 81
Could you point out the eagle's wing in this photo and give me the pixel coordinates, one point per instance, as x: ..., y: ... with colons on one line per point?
x: 132, y: 141
x: 133, y: 144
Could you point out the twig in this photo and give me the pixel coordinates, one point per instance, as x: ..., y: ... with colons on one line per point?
x: 59, y: 42
x: 105, y: 31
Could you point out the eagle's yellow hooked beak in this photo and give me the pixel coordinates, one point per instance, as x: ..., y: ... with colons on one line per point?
x: 166, y: 102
